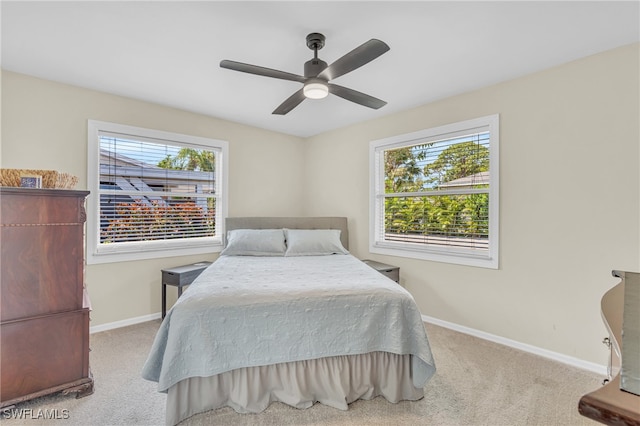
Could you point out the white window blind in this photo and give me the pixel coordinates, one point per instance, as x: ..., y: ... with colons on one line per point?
x: 154, y: 192
x: 434, y: 194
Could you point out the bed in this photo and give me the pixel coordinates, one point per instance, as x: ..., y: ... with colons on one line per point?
x: 287, y: 314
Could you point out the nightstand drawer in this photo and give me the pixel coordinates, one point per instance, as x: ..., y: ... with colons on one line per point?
x: 183, y: 275
x: 393, y: 272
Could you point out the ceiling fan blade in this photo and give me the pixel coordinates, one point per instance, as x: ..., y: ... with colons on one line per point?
x: 355, y: 96
x: 359, y: 56
x: 290, y: 103
x: 266, y: 72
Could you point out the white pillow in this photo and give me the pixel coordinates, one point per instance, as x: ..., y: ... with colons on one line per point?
x: 313, y: 242
x: 255, y: 242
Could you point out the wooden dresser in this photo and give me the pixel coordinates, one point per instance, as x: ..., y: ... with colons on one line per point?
x: 44, y: 327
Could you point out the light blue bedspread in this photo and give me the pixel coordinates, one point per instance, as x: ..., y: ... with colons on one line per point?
x: 252, y: 311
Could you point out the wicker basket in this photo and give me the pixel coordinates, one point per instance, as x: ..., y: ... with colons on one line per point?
x: 50, y: 178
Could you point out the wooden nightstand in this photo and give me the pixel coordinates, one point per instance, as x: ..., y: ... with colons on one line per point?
x: 390, y: 271
x: 179, y: 276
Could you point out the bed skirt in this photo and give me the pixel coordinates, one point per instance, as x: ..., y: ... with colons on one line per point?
x: 333, y: 381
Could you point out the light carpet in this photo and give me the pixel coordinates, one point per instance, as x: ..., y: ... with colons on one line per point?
x: 477, y: 383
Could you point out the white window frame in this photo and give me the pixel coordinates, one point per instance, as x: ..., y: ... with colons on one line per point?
x: 101, y: 253
x: 377, y: 244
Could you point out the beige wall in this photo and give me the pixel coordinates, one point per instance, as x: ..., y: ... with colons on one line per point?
x: 569, y: 201
x: 570, y: 192
x: 44, y: 126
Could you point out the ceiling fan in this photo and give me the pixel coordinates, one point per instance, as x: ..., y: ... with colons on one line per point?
x: 317, y: 74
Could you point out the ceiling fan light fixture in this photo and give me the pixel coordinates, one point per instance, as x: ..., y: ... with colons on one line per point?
x: 315, y: 89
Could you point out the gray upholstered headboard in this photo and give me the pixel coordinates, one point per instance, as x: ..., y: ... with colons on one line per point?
x: 291, y: 223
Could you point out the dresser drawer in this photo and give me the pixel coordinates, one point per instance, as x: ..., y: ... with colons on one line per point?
x: 42, y: 270
x: 43, y: 352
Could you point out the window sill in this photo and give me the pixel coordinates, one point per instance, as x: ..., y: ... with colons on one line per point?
x: 456, y: 258
x: 122, y: 256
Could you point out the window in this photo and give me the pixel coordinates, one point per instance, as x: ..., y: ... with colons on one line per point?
x: 153, y: 193
x: 434, y: 194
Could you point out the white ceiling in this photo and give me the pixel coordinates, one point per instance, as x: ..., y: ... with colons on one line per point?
x: 169, y: 52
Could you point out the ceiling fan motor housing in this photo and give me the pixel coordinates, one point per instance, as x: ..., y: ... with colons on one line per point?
x: 315, y: 42
x: 314, y: 67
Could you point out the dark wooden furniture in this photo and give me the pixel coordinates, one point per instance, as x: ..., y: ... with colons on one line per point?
x: 179, y: 276
x: 610, y: 404
x: 44, y: 328
x: 390, y: 271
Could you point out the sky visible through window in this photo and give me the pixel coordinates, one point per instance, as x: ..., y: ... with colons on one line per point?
x: 147, y: 152
x: 424, y: 156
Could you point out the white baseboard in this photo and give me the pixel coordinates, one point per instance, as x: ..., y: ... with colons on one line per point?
x: 124, y: 323
x: 574, y: 362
